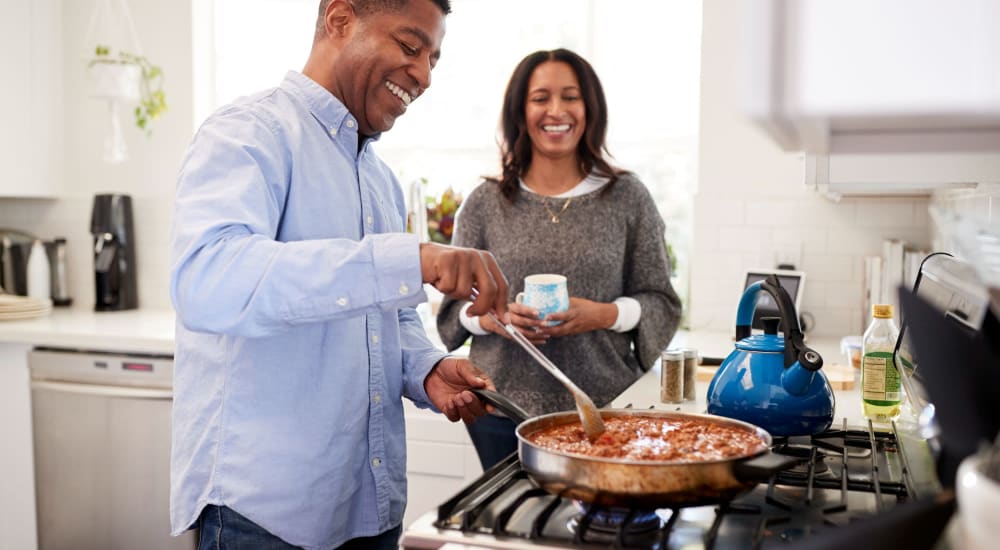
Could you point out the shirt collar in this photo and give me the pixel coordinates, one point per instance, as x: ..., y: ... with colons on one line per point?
x: 323, y: 105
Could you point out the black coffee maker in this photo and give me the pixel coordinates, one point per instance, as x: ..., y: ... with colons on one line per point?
x: 114, y: 253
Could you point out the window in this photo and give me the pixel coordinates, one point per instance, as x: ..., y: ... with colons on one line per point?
x: 646, y: 52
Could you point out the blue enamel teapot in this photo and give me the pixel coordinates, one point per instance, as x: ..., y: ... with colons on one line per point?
x: 772, y: 381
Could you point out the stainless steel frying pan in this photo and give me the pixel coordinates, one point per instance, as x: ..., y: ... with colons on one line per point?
x: 637, y: 483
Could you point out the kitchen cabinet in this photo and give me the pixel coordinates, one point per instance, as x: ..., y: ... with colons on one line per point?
x: 31, y: 99
x: 142, y: 331
x: 440, y: 460
x: 895, y: 96
x: 17, y: 488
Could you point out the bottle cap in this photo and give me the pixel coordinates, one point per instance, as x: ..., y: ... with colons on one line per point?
x: 882, y: 311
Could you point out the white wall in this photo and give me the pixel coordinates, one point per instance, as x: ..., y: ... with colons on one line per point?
x: 752, y: 208
x: 165, y: 35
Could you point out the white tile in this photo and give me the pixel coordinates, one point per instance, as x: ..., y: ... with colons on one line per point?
x: 828, y: 267
x: 886, y: 213
x: 855, y: 240
x: 717, y: 208
x: 740, y: 239
x: 842, y: 294
x: 718, y: 266
x: 706, y: 239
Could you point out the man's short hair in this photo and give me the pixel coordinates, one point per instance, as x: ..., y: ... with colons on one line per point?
x: 367, y: 7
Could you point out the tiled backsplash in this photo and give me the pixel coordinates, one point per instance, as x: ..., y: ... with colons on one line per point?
x: 70, y: 218
x: 828, y: 240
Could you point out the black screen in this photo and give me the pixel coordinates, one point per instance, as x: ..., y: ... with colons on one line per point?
x: 766, y: 306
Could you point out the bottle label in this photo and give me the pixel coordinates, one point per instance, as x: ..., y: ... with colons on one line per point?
x: 879, y: 379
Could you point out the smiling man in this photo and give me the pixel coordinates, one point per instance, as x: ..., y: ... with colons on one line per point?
x: 295, y: 285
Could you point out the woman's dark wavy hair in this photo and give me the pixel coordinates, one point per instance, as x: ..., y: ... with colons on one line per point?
x: 515, y: 149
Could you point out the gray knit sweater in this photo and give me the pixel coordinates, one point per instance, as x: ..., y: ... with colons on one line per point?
x: 608, y: 246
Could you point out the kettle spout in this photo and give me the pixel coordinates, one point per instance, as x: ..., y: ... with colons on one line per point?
x: 796, y: 379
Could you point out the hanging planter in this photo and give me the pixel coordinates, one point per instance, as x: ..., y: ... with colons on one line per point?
x: 114, y: 81
x: 119, y: 74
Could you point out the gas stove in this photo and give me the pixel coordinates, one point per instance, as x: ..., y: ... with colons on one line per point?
x: 846, y: 475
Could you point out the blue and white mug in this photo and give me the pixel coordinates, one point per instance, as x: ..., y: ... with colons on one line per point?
x: 545, y: 292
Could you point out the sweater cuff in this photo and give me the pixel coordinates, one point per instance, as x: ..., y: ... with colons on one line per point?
x: 471, y: 324
x: 629, y: 312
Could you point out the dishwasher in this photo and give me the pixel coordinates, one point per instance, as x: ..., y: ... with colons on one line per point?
x: 101, y: 430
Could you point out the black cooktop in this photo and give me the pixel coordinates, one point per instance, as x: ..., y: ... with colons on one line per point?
x: 846, y: 476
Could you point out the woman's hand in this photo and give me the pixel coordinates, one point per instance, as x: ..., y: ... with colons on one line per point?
x: 524, y: 318
x: 582, y: 316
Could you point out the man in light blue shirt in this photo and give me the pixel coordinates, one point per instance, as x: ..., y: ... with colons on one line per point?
x: 294, y: 285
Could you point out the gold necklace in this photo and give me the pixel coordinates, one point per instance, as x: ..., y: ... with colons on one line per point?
x: 555, y: 215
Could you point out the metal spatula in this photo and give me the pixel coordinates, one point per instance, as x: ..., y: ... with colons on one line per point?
x: 590, y: 417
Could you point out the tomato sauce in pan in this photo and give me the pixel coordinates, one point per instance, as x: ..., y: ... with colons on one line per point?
x: 653, y: 439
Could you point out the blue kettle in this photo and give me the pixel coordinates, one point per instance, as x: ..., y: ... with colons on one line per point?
x: 772, y: 381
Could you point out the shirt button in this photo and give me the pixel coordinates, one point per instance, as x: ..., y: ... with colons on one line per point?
x: 376, y: 462
x: 377, y: 398
x: 370, y: 220
x: 333, y: 131
x: 350, y: 124
x: 374, y: 338
x: 403, y: 289
x: 342, y: 302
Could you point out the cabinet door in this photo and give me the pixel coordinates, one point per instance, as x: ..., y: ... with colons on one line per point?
x: 31, y: 98
x: 822, y: 72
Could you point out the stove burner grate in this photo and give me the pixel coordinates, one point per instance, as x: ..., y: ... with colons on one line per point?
x: 844, y: 471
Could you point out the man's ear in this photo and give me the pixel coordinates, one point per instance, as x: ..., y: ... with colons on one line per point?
x: 339, y: 18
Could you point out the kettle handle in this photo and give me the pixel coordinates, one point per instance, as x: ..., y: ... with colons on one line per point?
x: 795, y: 348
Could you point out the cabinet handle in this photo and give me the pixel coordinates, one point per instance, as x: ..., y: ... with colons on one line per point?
x: 106, y: 391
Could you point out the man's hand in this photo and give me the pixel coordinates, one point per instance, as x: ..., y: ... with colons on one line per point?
x: 457, y: 271
x: 447, y: 387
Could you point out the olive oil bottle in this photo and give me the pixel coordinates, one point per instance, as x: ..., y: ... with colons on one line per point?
x: 880, y: 383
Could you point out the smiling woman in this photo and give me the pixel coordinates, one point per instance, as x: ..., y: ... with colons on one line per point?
x: 449, y: 134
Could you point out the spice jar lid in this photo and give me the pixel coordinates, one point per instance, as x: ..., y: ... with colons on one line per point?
x: 672, y: 355
x: 690, y: 353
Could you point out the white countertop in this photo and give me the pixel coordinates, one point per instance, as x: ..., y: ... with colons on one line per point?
x: 152, y: 331
x: 646, y: 391
x: 140, y: 330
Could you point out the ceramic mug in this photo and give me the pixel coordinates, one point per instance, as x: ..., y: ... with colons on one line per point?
x: 545, y: 292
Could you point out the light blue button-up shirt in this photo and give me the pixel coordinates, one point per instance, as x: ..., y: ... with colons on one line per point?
x: 294, y: 286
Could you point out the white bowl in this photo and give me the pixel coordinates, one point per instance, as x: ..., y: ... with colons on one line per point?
x: 978, y: 504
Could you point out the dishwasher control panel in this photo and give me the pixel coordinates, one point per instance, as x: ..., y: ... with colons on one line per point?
x: 105, y: 368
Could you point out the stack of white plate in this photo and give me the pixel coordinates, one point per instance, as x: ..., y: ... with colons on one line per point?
x: 21, y: 307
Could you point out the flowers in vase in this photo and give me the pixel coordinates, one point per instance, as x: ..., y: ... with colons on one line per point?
x: 441, y: 215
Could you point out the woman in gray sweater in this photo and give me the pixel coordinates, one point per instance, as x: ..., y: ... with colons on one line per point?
x: 560, y: 207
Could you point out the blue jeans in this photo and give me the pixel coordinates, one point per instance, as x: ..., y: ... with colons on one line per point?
x: 493, y: 437
x: 223, y: 529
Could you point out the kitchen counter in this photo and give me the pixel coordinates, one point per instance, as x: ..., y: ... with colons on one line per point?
x: 152, y: 331
x: 645, y: 392
x: 135, y: 331
x: 141, y: 330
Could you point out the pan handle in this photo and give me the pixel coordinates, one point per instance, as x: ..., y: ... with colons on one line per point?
x: 508, y: 407
x: 764, y: 466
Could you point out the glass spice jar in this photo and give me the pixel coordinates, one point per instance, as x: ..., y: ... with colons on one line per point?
x: 690, y: 374
x: 672, y: 376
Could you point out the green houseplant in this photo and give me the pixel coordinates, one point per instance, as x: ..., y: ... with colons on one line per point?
x: 129, y: 78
